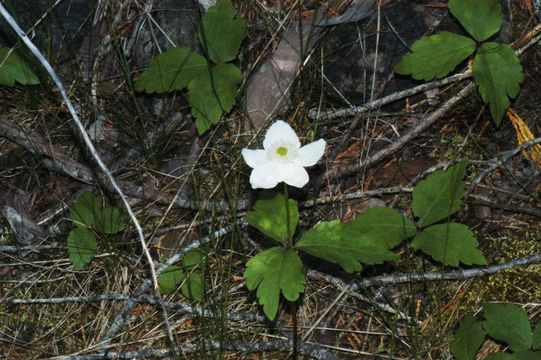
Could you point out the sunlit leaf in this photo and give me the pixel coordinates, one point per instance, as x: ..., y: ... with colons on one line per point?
x: 274, y: 271
x: 498, y: 73
x: 450, y: 244
x: 269, y: 216
x: 439, y: 195
x: 481, y: 18
x: 435, y: 56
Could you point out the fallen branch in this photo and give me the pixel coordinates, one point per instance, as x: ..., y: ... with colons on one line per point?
x: 308, y: 349
x: 401, y: 278
x: 179, y: 306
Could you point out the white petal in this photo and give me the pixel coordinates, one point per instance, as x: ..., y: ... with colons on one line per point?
x: 254, y: 157
x: 280, y: 132
x: 310, y: 154
x: 294, y: 175
x: 264, y: 176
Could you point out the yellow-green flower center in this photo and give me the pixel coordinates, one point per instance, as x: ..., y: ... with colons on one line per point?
x: 282, y: 151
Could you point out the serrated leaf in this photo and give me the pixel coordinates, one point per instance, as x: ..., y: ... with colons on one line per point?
x: 220, y: 33
x: 274, y: 271
x: 498, y: 73
x: 170, y: 71
x: 270, y: 217
x: 85, y: 210
x: 213, y: 93
x: 192, y: 286
x: 508, y: 323
x: 82, y: 247
x: 170, y: 279
x: 343, y: 244
x: 439, y: 195
x: 435, y: 56
x: 467, y: 339
x: 536, y: 339
x: 384, y: 225
x: 450, y: 244
x: 481, y: 18
x: 110, y: 221
x: 14, y: 69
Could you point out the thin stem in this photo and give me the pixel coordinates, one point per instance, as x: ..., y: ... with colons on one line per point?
x: 288, y: 243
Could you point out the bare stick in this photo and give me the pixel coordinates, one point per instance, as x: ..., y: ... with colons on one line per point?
x: 376, y: 104
x: 400, y: 278
x: 179, y: 306
x: 37, y: 53
x: 397, y: 145
x: 308, y: 349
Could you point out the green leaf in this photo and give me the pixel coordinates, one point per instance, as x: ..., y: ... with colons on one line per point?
x: 521, y: 355
x: 439, y: 195
x: 110, y: 221
x: 14, y: 69
x: 270, y: 217
x: 343, y: 244
x: 86, y: 210
x: 481, y: 18
x: 384, y: 225
x: 500, y: 356
x: 536, y: 340
x: 212, y: 94
x: 435, y: 56
x: 498, y: 73
x: 220, y: 33
x: 192, y: 286
x: 170, y: 279
x: 450, y: 244
x: 467, y: 339
x: 192, y: 259
x: 508, y: 323
x: 273, y: 271
x: 170, y: 71
x: 82, y: 247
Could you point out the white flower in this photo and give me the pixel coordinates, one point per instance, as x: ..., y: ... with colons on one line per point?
x: 283, y: 158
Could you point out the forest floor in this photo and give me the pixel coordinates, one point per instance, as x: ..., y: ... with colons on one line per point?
x: 192, y: 191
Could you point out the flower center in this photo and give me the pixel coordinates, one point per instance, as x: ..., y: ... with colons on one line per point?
x: 281, y: 151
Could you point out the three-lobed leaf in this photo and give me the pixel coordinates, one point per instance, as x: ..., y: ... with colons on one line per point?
x: 439, y: 195
x: 220, y: 33
x: 435, y: 56
x: 82, y: 246
x: 498, y: 73
x: 213, y: 93
x: 341, y: 244
x: 450, y: 244
x: 274, y: 271
x: 508, y: 323
x: 467, y: 339
x: 481, y: 18
x: 269, y: 215
x: 14, y: 69
x: 384, y: 225
x: 170, y: 71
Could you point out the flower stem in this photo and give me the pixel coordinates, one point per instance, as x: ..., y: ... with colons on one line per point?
x: 288, y: 243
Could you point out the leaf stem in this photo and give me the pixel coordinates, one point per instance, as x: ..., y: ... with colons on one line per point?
x: 288, y: 243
